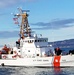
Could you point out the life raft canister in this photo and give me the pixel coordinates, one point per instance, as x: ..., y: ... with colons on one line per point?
x: 56, y: 61
x: 4, y: 57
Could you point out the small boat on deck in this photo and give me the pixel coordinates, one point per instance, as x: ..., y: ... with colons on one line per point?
x: 32, y: 50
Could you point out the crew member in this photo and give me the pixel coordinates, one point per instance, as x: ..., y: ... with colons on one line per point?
x: 18, y: 43
x: 58, y: 51
x: 6, y: 49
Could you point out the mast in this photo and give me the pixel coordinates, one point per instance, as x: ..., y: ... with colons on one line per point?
x: 25, y: 30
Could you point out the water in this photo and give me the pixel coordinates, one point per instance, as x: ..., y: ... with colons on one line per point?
x: 35, y: 71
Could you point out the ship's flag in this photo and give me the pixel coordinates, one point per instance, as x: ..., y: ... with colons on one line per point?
x: 15, y: 20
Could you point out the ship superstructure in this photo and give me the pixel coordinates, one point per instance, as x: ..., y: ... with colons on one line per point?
x: 30, y: 45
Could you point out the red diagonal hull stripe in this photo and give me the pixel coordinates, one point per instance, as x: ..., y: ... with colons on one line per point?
x: 56, y: 61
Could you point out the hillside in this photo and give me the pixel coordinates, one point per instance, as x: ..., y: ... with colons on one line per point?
x: 65, y: 44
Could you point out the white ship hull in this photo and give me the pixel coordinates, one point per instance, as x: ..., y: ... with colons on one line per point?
x: 33, y: 50
x: 64, y: 61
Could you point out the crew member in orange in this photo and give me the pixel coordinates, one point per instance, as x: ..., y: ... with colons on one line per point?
x: 6, y: 49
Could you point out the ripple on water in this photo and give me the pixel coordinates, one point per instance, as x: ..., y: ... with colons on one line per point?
x: 35, y: 71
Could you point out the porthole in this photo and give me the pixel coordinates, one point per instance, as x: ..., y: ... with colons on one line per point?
x: 28, y: 50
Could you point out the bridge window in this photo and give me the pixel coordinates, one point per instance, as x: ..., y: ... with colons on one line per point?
x: 30, y: 41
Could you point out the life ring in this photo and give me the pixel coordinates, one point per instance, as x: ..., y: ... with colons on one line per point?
x: 4, y: 57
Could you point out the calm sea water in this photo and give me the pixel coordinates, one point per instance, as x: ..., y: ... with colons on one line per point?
x: 35, y: 71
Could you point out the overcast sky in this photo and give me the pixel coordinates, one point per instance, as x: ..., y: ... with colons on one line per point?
x: 52, y: 18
